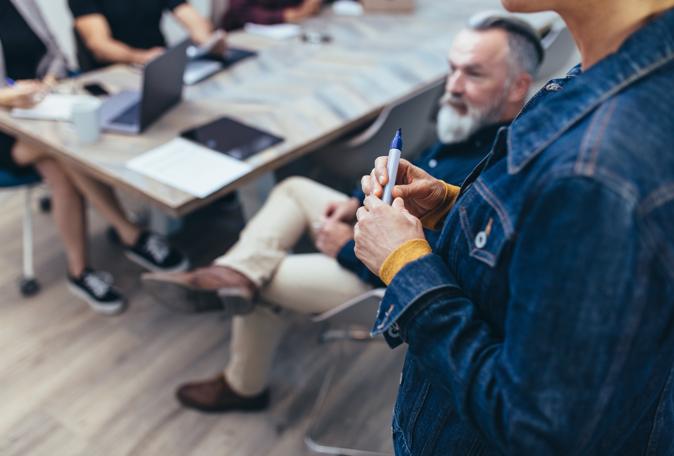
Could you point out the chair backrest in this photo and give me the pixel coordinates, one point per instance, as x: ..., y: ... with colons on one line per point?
x: 355, y: 156
x: 559, y: 48
x: 218, y: 8
x: 361, y: 310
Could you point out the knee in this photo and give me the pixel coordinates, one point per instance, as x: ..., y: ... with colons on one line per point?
x: 295, y: 185
x: 56, y: 177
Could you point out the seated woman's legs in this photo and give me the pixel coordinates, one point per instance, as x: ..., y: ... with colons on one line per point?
x: 69, y: 190
x: 69, y: 215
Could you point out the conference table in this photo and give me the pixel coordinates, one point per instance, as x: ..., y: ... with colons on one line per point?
x: 308, y: 94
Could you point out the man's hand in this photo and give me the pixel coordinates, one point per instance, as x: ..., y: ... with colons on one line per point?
x: 344, y: 211
x: 420, y: 191
x: 143, y: 57
x: 332, y: 236
x: 381, y: 229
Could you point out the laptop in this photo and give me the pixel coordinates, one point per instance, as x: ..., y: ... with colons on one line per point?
x: 131, y: 111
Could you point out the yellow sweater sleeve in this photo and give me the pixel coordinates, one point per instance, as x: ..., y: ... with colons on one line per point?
x: 406, y: 253
x: 436, y: 218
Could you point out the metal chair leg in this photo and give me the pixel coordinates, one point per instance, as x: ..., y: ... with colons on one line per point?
x: 318, y: 407
x: 29, y: 286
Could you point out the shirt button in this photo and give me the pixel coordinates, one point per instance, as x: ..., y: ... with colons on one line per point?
x: 481, y: 239
x: 432, y: 163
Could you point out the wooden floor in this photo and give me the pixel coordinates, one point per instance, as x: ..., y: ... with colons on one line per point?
x: 76, y: 383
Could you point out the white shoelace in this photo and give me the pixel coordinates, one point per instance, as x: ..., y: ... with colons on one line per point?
x: 98, y: 286
x: 156, y: 247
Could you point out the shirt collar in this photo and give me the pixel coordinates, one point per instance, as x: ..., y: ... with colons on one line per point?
x: 642, y: 53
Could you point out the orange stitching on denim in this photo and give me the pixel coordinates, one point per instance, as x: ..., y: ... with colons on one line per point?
x: 487, y: 230
x: 388, y: 314
x: 498, y: 206
x: 656, y: 199
x: 512, y: 169
x: 587, y: 141
x: 592, y: 162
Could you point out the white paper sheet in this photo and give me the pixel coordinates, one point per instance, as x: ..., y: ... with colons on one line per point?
x: 53, y: 107
x: 275, y: 32
x: 189, y: 167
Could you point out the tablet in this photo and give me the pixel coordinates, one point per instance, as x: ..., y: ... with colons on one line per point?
x: 232, y: 138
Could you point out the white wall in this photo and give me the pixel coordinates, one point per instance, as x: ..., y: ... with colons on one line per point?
x: 58, y: 16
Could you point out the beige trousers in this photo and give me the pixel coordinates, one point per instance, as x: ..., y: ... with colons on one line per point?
x: 307, y: 283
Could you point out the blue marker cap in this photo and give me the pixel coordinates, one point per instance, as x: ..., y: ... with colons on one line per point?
x: 397, y: 142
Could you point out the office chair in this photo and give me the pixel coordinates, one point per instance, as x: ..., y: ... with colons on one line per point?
x: 218, y: 8
x: 354, y: 156
x: 29, y: 285
x: 359, y: 312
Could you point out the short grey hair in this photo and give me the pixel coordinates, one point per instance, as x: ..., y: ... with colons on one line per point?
x: 524, y: 44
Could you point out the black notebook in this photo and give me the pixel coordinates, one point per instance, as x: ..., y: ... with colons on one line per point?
x: 232, y: 138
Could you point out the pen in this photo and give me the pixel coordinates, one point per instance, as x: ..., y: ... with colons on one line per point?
x: 392, y: 166
x: 10, y: 82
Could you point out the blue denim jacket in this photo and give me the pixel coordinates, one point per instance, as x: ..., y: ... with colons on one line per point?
x: 543, y: 323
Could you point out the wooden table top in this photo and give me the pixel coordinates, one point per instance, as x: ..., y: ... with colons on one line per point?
x: 306, y: 93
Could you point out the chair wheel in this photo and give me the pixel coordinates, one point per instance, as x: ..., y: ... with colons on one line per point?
x: 45, y: 204
x: 29, y: 287
x: 113, y: 236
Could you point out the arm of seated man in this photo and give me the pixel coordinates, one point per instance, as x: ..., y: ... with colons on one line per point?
x: 95, y: 31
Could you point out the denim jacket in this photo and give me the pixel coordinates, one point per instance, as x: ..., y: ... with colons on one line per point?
x: 543, y: 321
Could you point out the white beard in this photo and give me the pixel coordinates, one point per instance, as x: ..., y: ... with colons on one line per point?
x: 453, y: 127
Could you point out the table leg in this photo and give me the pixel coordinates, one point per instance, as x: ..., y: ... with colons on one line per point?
x: 163, y: 224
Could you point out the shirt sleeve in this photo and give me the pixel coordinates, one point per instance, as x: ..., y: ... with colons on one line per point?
x: 81, y: 8
x: 241, y: 12
x: 568, y: 355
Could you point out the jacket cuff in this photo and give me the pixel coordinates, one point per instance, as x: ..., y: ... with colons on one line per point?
x: 436, y: 218
x: 409, y: 293
x: 409, y: 251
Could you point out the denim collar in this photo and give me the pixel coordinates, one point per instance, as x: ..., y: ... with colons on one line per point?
x: 646, y: 50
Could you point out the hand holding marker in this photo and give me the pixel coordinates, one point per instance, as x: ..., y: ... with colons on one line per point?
x: 392, y: 166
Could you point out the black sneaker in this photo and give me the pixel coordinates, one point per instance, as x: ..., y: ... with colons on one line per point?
x: 97, y: 290
x: 154, y: 253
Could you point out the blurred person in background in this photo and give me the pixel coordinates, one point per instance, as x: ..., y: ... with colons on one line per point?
x: 267, y: 12
x: 30, y: 63
x: 128, y: 31
x: 491, y: 68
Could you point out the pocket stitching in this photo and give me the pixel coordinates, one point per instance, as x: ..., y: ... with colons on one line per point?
x: 480, y: 254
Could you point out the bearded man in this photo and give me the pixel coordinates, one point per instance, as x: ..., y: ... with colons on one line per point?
x: 491, y: 66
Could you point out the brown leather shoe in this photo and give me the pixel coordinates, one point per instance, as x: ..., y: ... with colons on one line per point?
x: 216, y: 396
x: 203, y: 290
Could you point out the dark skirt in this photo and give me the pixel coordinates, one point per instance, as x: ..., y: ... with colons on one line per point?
x: 7, y: 163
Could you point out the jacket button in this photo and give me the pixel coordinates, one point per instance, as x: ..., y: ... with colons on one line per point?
x: 432, y: 163
x: 481, y: 239
x: 552, y: 87
x: 392, y: 431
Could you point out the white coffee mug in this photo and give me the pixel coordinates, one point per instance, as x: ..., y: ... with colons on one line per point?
x: 85, y: 117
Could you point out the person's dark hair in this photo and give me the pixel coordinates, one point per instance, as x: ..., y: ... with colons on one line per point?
x: 524, y: 43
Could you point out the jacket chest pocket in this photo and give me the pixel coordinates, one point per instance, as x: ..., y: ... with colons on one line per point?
x: 485, y: 224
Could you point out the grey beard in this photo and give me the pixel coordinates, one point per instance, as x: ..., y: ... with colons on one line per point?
x: 453, y: 127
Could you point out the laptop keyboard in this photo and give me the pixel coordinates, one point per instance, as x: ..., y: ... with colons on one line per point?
x: 130, y: 116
